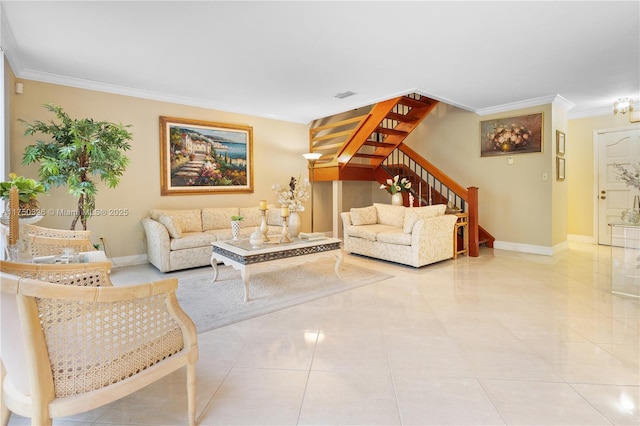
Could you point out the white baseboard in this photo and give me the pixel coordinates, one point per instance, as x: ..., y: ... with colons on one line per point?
x: 523, y: 248
x: 121, y: 262
x: 586, y: 239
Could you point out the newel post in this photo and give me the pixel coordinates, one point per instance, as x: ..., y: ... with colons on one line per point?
x: 474, y: 234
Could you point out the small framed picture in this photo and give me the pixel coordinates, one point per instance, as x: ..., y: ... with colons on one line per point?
x: 560, y: 142
x: 561, y: 168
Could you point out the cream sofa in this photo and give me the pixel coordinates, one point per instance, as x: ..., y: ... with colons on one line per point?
x: 414, y: 236
x: 181, y: 239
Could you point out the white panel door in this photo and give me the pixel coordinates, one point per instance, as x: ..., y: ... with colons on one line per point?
x: 614, y: 196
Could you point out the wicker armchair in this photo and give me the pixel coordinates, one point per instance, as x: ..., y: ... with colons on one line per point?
x: 48, y: 241
x: 68, y: 349
x: 94, y: 274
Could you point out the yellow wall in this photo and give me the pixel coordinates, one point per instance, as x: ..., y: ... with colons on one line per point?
x: 277, y: 146
x: 516, y: 205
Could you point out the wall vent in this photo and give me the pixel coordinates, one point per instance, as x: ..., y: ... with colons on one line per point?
x: 343, y: 95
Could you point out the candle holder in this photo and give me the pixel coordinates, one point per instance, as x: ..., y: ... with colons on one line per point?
x: 264, y: 228
x: 285, y: 237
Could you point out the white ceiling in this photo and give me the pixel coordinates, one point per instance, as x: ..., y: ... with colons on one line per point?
x: 287, y: 60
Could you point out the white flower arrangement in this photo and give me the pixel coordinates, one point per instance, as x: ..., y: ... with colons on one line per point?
x: 294, y: 195
x: 396, y: 184
x: 631, y: 177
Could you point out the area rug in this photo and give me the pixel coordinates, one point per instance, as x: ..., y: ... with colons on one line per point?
x: 213, y: 304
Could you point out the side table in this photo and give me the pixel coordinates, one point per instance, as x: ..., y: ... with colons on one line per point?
x: 462, y: 223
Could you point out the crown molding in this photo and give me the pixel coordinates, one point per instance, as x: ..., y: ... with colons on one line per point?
x: 543, y: 100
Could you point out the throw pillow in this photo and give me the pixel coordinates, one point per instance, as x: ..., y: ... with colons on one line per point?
x: 415, y: 213
x: 390, y: 215
x: 364, y: 216
x: 172, y: 225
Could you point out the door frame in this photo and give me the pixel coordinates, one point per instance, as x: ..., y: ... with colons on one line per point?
x: 596, y: 174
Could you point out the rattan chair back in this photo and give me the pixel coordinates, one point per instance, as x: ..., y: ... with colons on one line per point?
x: 68, y: 349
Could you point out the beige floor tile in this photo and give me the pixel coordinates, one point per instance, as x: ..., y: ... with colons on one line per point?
x: 349, y: 399
x: 541, y: 403
x: 444, y: 401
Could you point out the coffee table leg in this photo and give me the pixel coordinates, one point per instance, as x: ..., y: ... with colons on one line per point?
x: 214, y: 265
x: 338, y: 262
x: 245, y: 272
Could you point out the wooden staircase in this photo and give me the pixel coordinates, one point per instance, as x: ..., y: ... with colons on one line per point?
x: 354, y: 147
x: 369, y: 147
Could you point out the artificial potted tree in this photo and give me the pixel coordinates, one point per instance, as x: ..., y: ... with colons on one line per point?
x: 78, y: 151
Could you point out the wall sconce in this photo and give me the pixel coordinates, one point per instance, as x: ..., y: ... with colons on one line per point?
x: 624, y: 105
x: 311, y: 158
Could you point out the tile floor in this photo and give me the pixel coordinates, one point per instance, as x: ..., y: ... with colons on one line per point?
x: 505, y: 338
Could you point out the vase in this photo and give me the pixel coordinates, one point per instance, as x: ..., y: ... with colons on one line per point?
x: 295, y: 223
x: 235, y: 229
x: 396, y: 199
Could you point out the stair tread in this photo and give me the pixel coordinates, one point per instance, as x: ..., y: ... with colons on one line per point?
x: 370, y: 142
x: 402, y: 117
x: 416, y: 103
x: 387, y: 131
x: 363, y: 155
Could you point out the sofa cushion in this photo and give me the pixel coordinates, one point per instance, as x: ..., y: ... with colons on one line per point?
x: 190, y: 220
x: 414, y: 213
x: 251, y: 217
x: 394, y: 237
x: 192, y: 240
x: 369, y: 232
x: 364, y: 216
x: 390, y: 215
x: 172, y: 224
x: 218, y: 217
x: 274, y: 216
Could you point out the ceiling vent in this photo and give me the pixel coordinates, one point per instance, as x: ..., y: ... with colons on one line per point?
x: 343, y: 95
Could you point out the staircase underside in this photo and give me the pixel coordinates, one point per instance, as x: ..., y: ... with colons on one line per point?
x: 353, y: 148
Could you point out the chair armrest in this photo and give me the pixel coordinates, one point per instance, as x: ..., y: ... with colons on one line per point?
x: 432, y: 231
x: 158, y: 243
x: 94, y: 274
x: 346, y: 223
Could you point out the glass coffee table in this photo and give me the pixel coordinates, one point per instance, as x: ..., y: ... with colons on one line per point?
x: 242, y: 256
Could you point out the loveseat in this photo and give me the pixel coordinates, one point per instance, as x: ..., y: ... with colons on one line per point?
x: 414, y: 236
x: 181, y: 239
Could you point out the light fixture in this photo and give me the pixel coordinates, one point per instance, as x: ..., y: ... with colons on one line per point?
x: 623, y: 106
x: 311, y: 158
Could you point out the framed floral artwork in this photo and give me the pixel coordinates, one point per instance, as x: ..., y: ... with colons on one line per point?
x: 202, y: 157
x: 512, y: 135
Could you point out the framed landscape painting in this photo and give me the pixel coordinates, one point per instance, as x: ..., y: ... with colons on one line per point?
x: 513, y: 135
x: 201, y: 157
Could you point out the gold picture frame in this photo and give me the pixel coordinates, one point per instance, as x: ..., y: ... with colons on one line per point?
x: 203, y: 157
x: 561, y: 168
x: 511, y: 135
x: 560, y: 143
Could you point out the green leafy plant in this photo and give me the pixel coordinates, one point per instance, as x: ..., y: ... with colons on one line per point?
x: 28, y: 189
x: 79, y: 149
x: 237, y: 218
